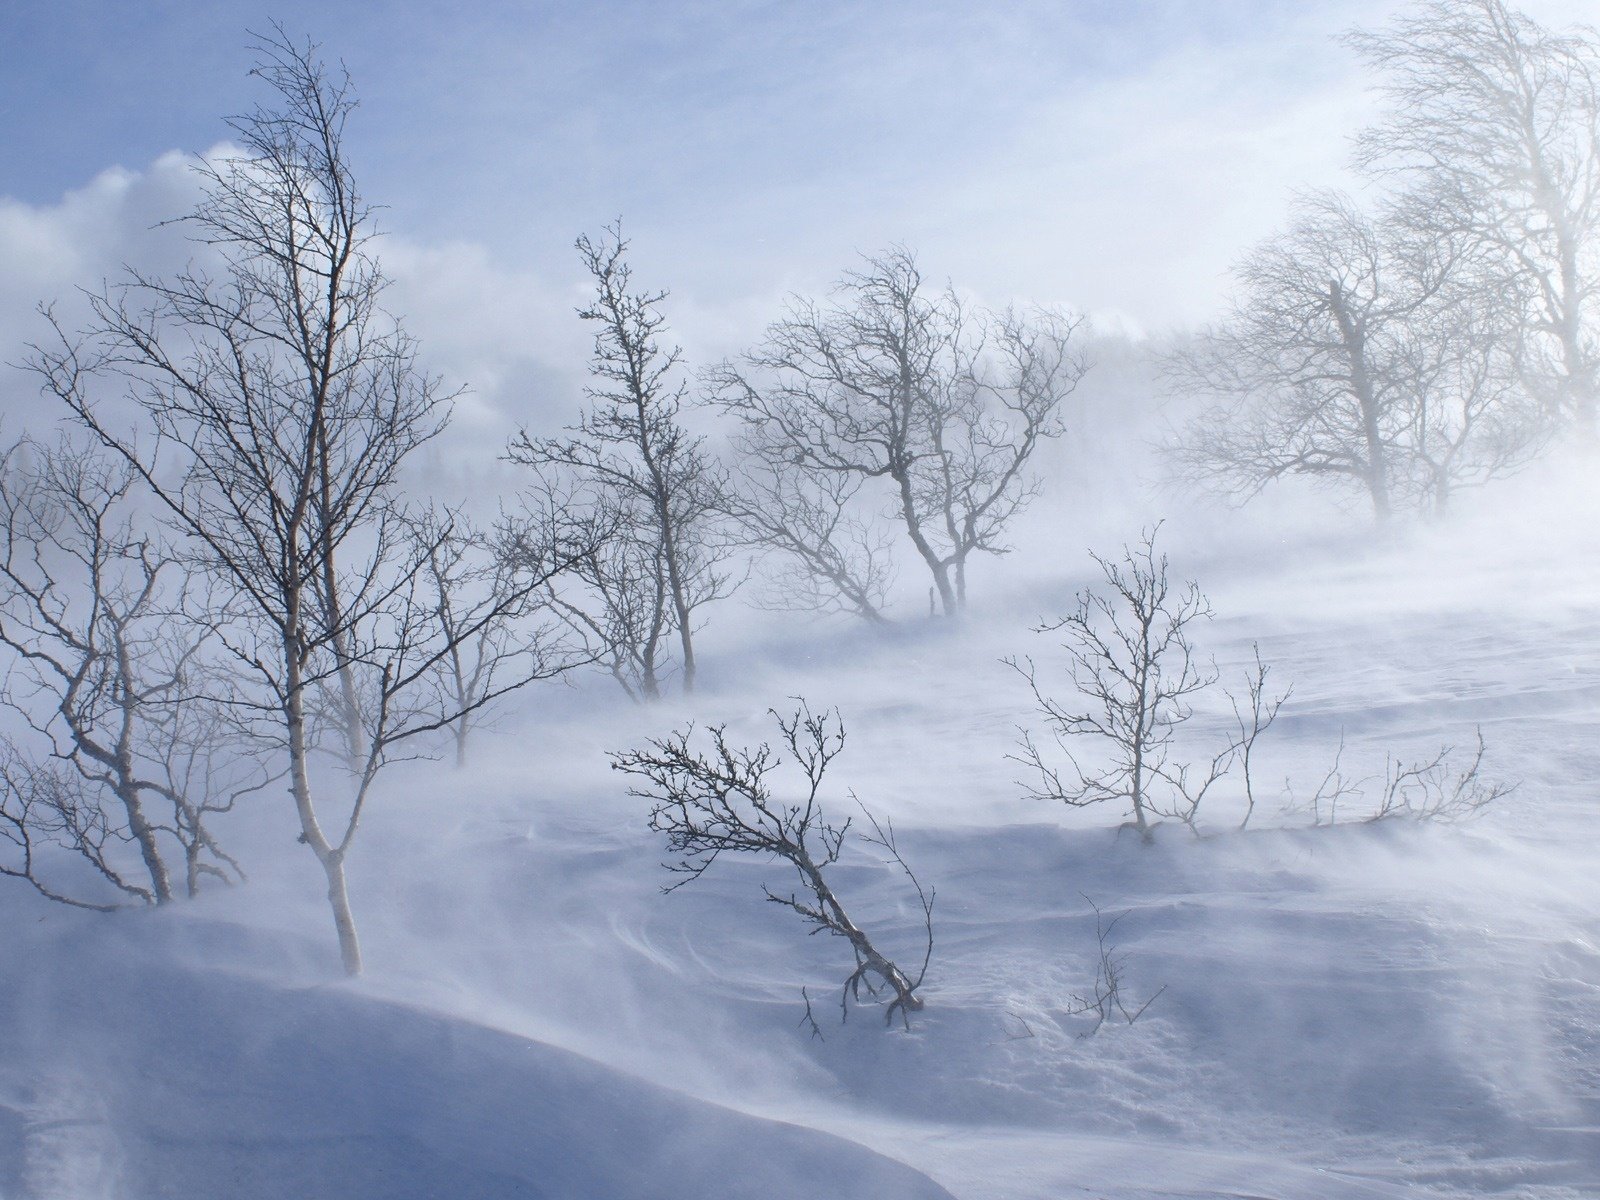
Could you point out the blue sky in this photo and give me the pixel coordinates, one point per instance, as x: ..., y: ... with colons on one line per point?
x: 1113, y: 157
x: 784, y: 86
x: 723, y: 130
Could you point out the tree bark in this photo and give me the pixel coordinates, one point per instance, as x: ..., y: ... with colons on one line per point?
x: 330, y: 857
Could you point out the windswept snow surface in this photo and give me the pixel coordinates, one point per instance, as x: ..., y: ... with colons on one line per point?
x: 1361, y: 1011
x: 151, y: 1079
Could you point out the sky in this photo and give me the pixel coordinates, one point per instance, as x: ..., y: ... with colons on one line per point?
x: 1113, y: 157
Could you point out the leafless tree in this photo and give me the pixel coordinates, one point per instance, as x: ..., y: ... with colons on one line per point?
x: 1432, y: 789
x: 1494, y: 125
x: 721, y: 800
x: 1469, y: 416
x: 1364, y: 350
x: 282, y: 401
x: 1310, y: 368
x: 897, y: 382
x: 1136, y: 673
x: 1334, y: 789
x: 130, y: 755
x: 48, y: 811
x: 491, y: 626
x: 614, y: 596
x: 823, y: 554
x: 1437, y: 790
x: 649, y: 483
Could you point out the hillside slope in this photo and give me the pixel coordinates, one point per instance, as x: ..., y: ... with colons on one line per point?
x: 1360, y: 1011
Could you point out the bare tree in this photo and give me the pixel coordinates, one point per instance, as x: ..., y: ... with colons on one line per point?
x: 1432, y: 789
x: 1424, y: 789
x: 1334, y: 789
x: 721, y: 801
x: 491, y: 626
x: 899, y: 383
x: 47, y: 812
x: 1254, y: 714
x: 824, y: 554
x: 1494, y: 123
x: 130, y: 756
x: 649, y: 483
x: 281, y: 402
x: 1310, y: 365
x: 1363, y: 351
x: 1469, y: 416
x: 1437, y: 790
x: 1137, y: 673
x: 615, y: 595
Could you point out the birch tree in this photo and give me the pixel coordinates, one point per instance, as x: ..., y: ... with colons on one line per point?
x: 1310, y: 369
x: 650, y: 488
x: 820, y: 551
x: 492, y: 627
x: 898, y: 385
x: 1469, y: 417
x: 1136, y: 677
x: 124, y: 755
x: 280, y: 404
x: 1363, y: 352
x: 722, y: 800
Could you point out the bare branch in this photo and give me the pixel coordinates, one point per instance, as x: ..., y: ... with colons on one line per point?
x: 1106, y: 998
x: 720, y: 800
x: 896, y: 386
x: 1136, y: 673
x: 633, y: 482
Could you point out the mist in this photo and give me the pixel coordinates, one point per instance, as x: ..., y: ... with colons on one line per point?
x: 934, y: 602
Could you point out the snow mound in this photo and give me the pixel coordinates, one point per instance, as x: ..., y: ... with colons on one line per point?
x: 128, y: 1076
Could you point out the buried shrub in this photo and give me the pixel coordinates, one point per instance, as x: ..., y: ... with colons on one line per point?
x: 720, y: 800
x: 1106, y: 999
x: 1434, y: 789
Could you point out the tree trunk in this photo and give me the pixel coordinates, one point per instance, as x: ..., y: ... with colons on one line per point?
x: 330, y: 857
x: 191, y: 858
x: 939, y: 568
x: 1142, y: 713
x: 126, y: 789
x: 139, y: 826
x: 343, y: 919
x: 866, y: 954
x: 1579, y: 382
x: 355, y: 737
x: 1580, y: 379
x: 687, y: 638
x: 1377, y: 472
x: 680, y: 599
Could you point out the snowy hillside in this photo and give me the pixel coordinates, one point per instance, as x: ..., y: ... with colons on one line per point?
x: 1382, y: 1010
x: 748, y: 601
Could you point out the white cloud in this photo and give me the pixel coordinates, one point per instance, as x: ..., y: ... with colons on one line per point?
x: 508, y: 335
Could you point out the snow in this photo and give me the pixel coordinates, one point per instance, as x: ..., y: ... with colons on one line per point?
x: 146, y: 1077
x: 1363, y: 1011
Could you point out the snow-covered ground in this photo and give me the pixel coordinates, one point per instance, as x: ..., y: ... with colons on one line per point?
x: 1359, y: 1011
